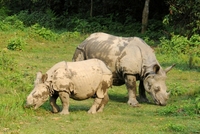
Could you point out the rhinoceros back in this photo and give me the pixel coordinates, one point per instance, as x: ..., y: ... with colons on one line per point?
x: 50, y: 72
x: 87, y: 76
x: 104, y: 47
x: 83, y: 77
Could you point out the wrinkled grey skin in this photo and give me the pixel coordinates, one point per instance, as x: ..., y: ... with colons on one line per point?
x: 76, y: 80
x: 130, y: 59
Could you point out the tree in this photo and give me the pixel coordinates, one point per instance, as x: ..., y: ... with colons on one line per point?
x: 145, y: 15
x: 91, y: 8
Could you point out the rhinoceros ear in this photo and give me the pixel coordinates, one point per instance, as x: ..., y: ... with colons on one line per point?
x: 38, y: 78
x: 44, y: 77
x: 169, y: 68
x: 156, y: 68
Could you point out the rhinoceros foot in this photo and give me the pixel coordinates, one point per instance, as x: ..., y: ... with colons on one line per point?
x: 64, y: 112
x: 133, y: 102
x: 55, y: 109
x: 92, y: 111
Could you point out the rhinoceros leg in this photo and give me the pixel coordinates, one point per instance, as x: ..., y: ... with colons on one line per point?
x: 130, y: 82
x: 93, y: 109
x: 64, y: 96
x: 103, y: 103
x: 55, y: 107
x: 142, y: 93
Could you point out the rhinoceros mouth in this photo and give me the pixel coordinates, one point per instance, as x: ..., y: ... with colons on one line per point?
x: 158, y: 102
x: 30, y: 105
x: 162, y: 100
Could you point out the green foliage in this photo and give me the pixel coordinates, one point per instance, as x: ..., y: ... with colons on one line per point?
x: 44, y: 32
x: 92, y: 24
x: 185, y: 108
x: 17, y: 43
x: 4, y: 12
x: 175, y: 127
x: 177, y: 90
x: 197, y: 103
x: 178, y: 17
x: 6, y: 61
x: 10, y: 23
x: 183, y: 47
x: 46, y: 19
x: 149, y: 41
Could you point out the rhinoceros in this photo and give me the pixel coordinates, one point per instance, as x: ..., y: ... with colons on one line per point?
x: 76, y: 80
x: 130, y: 59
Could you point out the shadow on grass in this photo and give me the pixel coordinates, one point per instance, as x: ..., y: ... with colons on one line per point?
x: 118, y: 98
x: 85, y: 105
x: 74, y: 106
x: 123, y: 99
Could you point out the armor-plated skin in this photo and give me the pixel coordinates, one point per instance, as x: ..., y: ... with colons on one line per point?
x: 76, y: 80
x: 130, y: 59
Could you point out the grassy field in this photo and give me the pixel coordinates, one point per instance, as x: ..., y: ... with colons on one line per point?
x: 18, y: 70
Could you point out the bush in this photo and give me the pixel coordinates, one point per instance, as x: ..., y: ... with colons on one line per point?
x: 177, y: 90
x: 180, y: 45
x: 179, y: 9
x: 46, y: 19
x: 185, y: 108
x: 10, y: 23
x: 16, y: 44
x: 44, y: 32
x: 176, y: 127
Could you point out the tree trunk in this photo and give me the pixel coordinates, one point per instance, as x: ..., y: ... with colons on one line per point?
x: 91, y: 8
x: 145, y: 15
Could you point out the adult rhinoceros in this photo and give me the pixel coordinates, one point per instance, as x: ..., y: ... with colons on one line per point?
x: 130, y: 59
x: 77, y: 80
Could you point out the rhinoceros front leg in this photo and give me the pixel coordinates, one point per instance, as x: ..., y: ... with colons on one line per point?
x: 64, y: 96
x: 103, y: 103
x: 55, y: 107
x: 130, y: 81
x: 142, y: 93
x: 96, y: 104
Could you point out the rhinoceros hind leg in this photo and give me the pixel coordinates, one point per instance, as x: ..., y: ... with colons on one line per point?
x: 93, y: 109
x: 142, y: 93
x: 103, y: 103
x: 130, y: 81
x: 65, y: 102
x: 55, y: 107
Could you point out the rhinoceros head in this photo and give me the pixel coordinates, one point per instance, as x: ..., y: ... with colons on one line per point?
x: 154, y: 84
x: 40, y: 93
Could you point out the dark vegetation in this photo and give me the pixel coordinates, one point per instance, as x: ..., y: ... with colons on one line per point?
x: 173, y: 26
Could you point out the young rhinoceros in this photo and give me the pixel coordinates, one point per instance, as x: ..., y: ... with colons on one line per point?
x: 76, y: 80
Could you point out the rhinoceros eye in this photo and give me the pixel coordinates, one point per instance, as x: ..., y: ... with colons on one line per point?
x: 157, y: 89
x: 35, y: 94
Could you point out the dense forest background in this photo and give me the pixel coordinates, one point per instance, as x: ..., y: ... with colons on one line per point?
x: 171, y: 25
x: 114, y: 16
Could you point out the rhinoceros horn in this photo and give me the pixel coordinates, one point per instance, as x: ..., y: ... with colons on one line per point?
x: 169, y: 68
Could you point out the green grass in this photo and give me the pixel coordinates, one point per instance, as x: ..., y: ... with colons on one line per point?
x: 18, y: 70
